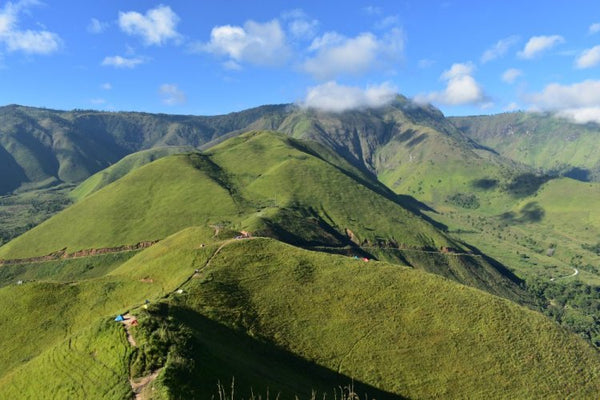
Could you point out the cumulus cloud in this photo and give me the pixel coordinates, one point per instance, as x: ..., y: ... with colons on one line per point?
x: 255, y: 43
x: 579, y: 101
x: 511, y: 75
x: 538, y: 44
x: 158, y: 26
x: 300, y: 25
x: 106, y: 86
x: 96, y: 27
x: 461, y: 88
x: 27, y: 41
x: 122, y: 62
x: 499, y: 49
x: 594, y: 28
x: 338, y: 55
x: 589, y: 58
x: 332, y: 97
x: 171, y: 94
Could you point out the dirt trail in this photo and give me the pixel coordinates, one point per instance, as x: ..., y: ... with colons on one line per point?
x: 138, y: 385
x: 575, y: 273
x: 128, y: 322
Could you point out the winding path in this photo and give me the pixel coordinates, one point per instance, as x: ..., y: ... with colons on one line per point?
x: 575, y: 273
x: 138, y: 385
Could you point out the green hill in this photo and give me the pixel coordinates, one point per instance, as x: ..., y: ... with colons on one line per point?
x: 543, y: 141
x: 280, y: 319
x: 42, y: 148
x: 270, y: 185
x: 122, y: 167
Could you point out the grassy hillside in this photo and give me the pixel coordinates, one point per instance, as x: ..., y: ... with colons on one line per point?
x: 396, y: 329
x: 284, y: 320
x: 64, y: 305
x: 541, y: 140
x: 270, y: 185
x: 122, y: 167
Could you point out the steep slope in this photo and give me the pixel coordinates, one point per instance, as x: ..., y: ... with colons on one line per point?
x: 543, y: 141
x: 280, y: 319
x: 411, y: 148
x: 270, y: 185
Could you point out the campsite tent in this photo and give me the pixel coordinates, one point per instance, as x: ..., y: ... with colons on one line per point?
x: 119, y: 318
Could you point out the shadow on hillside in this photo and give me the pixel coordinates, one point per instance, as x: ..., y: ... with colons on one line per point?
x: 485, y: 183
x: 531, y: 212
x: 258, y: 367
x: 526, y: 184
x: 417, y: 140
x: 521, y: 296
x: 579, y: 174
x: 13, y: 175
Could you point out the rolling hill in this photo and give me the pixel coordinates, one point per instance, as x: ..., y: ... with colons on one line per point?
x: 279, y: 319
x: 271, y: 185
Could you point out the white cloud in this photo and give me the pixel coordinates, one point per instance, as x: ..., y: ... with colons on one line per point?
x: 589, y: 58
x: 337, y: 98
x: 171, y: 94
x: 499, y: 49
x: 98, y: 101
x: 461, y: 88
x: 337, y: 55
x: 511, y: 75
x: 106, y: 86
x: 122, y: 62
x: 582, y: 115
x: 255, y: 43
x: 538, y: 44
x: 594, y: 28
x: 158, y: 26
x: 425, y: 63
x: 579, y: 101
x: 300, y: 25
x: 97, y: 27
x: 556, y: 96
x: 27, y: 41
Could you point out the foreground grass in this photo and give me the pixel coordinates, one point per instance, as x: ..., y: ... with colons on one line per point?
x: 92, y: 364
x: 261, y: 306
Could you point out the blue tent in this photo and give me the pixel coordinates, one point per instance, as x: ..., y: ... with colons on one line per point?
x: 119, y: 318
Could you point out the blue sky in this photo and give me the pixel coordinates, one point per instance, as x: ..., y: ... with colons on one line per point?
x: 209, y: 57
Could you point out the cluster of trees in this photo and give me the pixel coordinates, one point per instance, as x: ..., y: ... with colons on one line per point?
x: 464, y: 200
x: 572, y: 304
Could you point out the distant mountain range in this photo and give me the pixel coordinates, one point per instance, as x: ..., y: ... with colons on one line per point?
x: 41, y: 148
x: 549, y: 143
